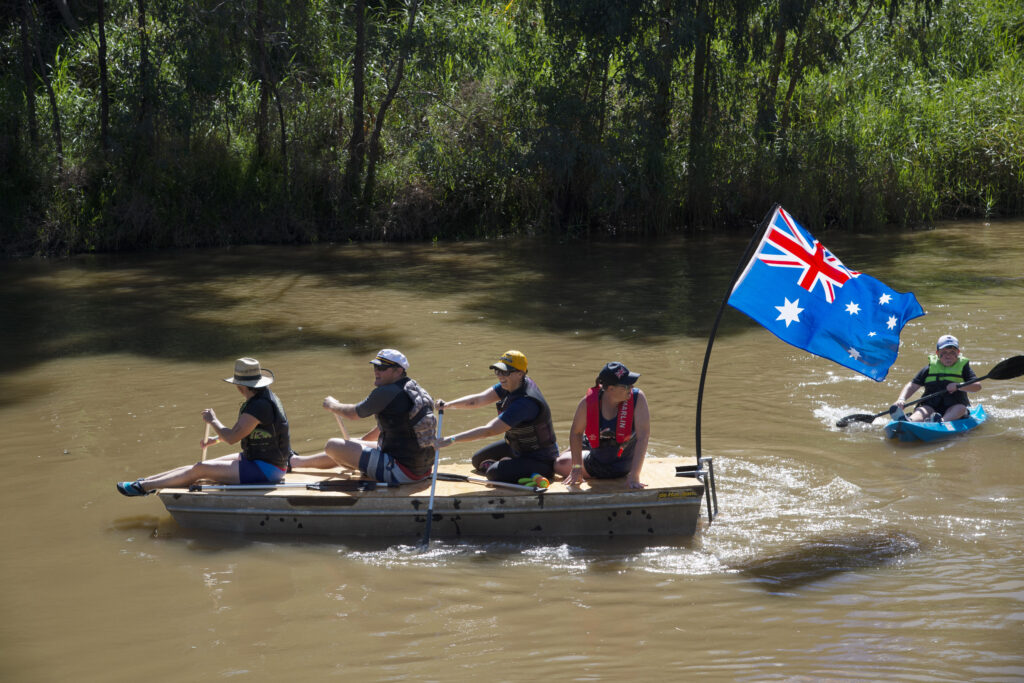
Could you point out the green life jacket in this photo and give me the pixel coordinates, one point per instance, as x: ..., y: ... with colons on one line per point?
x: 939, y: 373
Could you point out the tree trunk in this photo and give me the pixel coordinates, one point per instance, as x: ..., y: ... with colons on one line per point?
x: 104, y: 84
x: 357, y: 143
x: 766, y: 106
x: 261, y: 74
x: 696, y: 153
x: 393, y: 86
x: 146, y: 124
x: 28, y: 72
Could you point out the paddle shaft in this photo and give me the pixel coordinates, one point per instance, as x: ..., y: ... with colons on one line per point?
x: 433, y: 481
x: 205, y: 437
x: 343, y: 485
x: 341, y: 425
x: 487, y: 482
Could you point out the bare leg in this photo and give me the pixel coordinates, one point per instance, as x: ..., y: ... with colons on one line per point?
x: 563, y: 466
x: 222, y: 470
x: 319, y: 461
x: 955, y: 412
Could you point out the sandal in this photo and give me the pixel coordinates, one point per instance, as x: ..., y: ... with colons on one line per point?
x: 486, y: 465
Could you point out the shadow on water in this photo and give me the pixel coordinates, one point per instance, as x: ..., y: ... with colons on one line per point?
x: 825, y: 556
x: 179, y: 305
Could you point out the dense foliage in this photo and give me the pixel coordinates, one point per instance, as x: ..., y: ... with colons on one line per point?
x: 130, y: 124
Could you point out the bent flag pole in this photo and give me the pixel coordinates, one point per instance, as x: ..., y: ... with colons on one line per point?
x: 804, y: 295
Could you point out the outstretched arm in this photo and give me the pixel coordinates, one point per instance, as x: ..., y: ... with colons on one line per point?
x: 484, y: 398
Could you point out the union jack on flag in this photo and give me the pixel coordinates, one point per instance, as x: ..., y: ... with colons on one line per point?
x: 804, y: 295
x: 787, y: 245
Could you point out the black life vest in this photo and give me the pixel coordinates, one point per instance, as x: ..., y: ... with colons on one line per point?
x: 536, y: 435
x: 400, y: 428
x: 269, y: 442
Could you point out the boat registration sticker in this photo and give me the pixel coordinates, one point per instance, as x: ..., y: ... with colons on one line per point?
x: 676, y: 494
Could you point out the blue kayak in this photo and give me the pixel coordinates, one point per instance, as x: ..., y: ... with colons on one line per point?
x: 904, y: 430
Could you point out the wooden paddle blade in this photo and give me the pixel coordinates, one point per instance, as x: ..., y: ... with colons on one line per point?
x: 1008, y: 369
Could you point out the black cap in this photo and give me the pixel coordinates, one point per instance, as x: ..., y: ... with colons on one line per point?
x: 616, y: 373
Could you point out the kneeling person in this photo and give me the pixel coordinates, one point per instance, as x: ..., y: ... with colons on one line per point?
x: 400, y: 449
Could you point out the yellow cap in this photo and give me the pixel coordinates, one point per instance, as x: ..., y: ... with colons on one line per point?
x: 511, y: 360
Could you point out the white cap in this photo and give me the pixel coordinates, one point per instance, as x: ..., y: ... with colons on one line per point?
x: 386, y: 357
x: 947, y: 340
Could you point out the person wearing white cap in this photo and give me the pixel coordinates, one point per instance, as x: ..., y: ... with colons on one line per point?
x: 262, y: 429
x: 946, y: 369
x: 400, y: 448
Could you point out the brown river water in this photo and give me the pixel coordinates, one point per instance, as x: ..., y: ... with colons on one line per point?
x: 837, y: 555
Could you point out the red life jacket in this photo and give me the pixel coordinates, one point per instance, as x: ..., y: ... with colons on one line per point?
x: 623, y: 421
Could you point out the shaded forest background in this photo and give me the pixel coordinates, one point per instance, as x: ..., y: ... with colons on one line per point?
x: 127, y: 124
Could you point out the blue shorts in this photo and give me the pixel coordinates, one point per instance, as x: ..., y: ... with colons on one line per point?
x: 258, y: 472
x: 383, y: 468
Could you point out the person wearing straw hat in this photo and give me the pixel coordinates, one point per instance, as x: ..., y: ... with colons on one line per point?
x: 262, y: 429
x: 400, y: 448
x: 610, y: 430
x: 946, y: 368
x: 528, y: 449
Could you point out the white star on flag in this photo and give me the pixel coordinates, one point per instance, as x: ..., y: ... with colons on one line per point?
x: 854, y: 353
x: 884, y: 299
x: 892, y: 322
x: 790, y: 311
x: 852, y: 308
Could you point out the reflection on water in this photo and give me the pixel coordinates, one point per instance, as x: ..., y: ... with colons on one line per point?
x: 895, y: 560
x: 821, y: 557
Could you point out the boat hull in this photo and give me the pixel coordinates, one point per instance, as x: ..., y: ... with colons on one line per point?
x: 461, y: 509
x: 904, y: 430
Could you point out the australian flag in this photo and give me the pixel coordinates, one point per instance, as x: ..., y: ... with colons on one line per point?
x: 805, y: 296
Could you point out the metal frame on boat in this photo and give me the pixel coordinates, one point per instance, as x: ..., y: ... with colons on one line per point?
x: 307, y: 505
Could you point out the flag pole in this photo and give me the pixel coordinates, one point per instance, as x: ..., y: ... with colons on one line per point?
x: 751, y: 246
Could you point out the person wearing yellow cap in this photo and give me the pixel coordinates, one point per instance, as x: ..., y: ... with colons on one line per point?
x: 400, y: 448
x: 528, y: 448
x: 946, y: 368
x: 610, y: 430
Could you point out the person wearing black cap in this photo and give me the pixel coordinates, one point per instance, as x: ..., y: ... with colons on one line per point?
x: 528, y: 450
x: 610, y: 430
x: 262, y: 427
x: 400, y: 448
x: 946, y: 368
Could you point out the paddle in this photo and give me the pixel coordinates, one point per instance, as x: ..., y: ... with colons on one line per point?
x: 442, y: 476
x: 1007, y: 369
x: 326, y: 485
x: 433, y: 483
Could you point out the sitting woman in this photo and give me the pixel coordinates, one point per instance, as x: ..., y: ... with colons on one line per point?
x: 609, y: 433
x: 262, y: 427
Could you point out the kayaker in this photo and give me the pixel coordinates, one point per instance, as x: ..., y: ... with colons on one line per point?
x: 400, y: 448
x: 946, y: 368
x: 262, y: 428
x: 528, y: 450
x: 610, y: 430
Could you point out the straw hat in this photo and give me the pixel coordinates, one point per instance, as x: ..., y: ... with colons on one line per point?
x: 249, y: 374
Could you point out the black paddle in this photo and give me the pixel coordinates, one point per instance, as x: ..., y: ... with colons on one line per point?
x: 1007, y: 369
